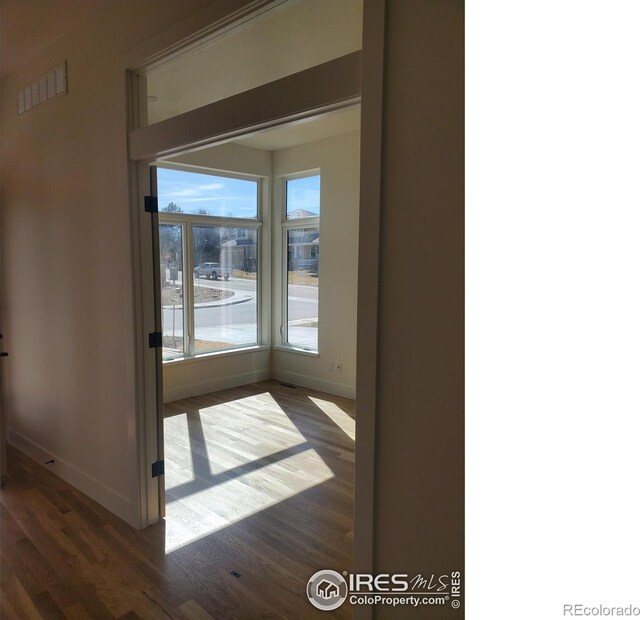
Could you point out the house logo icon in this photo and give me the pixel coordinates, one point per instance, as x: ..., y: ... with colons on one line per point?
x: 327, y: 590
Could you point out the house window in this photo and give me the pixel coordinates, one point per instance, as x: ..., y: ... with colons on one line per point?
x: 301, y: 236
x: 210, y: 229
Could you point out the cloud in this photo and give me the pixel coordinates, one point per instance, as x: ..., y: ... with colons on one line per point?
x: 187, y: 191
x: 210, y: 186
x: 210, y: 198
x: 195, y: 191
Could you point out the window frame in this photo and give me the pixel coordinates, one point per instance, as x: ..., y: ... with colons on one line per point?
x: 185, y: 316
x: 188, y: 221
x: 286, y: 225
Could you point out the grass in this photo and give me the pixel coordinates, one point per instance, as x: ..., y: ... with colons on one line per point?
x: 303, y: 278
x: 172, y: 294
x: 244, y: 275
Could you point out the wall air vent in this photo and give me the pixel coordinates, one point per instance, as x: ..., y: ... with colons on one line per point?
x: 48, y: 86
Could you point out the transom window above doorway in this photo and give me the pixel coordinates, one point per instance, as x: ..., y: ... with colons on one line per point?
x: 282, y: 38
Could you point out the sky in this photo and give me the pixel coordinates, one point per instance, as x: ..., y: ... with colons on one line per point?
x: 221, y: 196
x: 304, y: 194
x: 227, y: 197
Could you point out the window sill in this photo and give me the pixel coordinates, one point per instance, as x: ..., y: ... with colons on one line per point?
x: 289, y: 349
x: 215, y: 354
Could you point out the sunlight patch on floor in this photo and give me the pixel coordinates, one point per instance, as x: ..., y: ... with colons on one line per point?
x: 345, y: 422
x: 206, y: 511
x: 232, y: 429
x: 178, y: 452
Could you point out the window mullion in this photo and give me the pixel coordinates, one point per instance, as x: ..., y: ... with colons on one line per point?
x: 307, y: 222
x: 210, y: 220
x: 284, y: 329
x: 188, y: 301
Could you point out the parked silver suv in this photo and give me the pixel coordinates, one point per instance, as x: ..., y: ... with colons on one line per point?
x: 213, y: 271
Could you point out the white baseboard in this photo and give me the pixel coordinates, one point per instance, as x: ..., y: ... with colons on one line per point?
x: 214, y: 385
x: 112, y: 500
x: 331, y: 387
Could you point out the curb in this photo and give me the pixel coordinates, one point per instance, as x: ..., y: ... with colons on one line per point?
x: 212, y: 304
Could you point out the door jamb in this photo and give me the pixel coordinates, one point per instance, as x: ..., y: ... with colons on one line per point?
x: 368, y: 275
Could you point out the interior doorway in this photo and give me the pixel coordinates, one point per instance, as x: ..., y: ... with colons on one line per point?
x: 246, y: 220
x: 258, y: 346
x: 253, y: 249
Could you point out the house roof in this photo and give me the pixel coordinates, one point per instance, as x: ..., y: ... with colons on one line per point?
x: 298, y: 213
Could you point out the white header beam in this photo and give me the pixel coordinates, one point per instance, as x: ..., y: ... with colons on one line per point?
x: 322, y: 88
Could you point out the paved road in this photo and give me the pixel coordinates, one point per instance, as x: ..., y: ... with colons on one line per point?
x: 236, y: 323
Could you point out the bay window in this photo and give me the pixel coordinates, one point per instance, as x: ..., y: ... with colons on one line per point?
x: 209, y: 261
x: 301, y: 238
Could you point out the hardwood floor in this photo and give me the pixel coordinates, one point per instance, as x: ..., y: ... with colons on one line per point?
x: 259, y: 497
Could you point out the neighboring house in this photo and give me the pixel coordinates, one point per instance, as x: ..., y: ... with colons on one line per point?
x: 296, y: 214
x: 239, y: 253
x: 303, y: 244
x: 303, y: 249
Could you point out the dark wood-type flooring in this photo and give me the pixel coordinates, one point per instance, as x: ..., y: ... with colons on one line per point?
x: 259, y: 497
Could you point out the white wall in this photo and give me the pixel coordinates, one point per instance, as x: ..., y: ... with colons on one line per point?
x: 66, y: 248
x: 338, y: 160
x: 195, y: 376
x: 419, y: 447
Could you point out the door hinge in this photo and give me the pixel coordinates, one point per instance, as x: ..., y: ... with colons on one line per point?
x: 155, y: 340
x: 151, y: 204
x: 157, y: 469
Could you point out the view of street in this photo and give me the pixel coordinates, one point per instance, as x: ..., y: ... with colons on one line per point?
x: 233, y: 320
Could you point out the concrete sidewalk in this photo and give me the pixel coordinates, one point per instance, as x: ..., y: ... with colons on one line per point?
x: 237, y: 298
x: 246, y: 333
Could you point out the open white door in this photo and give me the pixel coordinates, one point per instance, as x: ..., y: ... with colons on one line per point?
x: 147, y: 289
x: 155, y: 337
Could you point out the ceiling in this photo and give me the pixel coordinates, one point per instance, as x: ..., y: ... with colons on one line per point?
x: 308, y: 130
